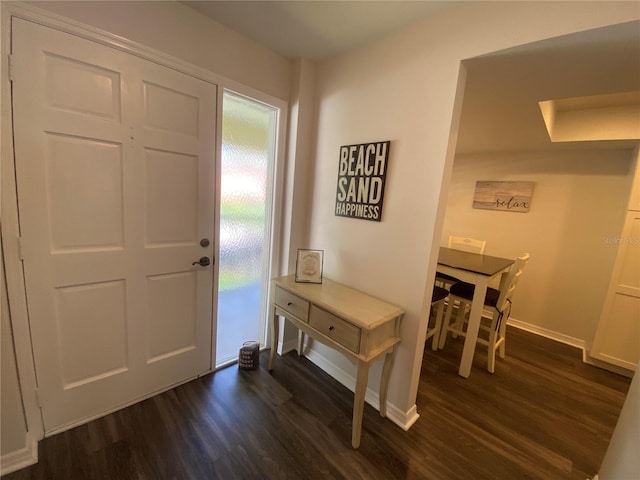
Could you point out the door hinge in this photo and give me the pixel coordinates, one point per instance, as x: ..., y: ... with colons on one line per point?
x: 12, y: 67
x: 20, y: 248
x: 38, y: 398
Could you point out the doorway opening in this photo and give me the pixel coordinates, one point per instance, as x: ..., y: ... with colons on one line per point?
x: 249, y: 136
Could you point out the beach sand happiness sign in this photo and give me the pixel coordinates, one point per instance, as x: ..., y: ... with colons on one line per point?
x: 362, y: 170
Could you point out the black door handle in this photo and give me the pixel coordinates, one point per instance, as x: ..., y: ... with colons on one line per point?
x: 203, y: 262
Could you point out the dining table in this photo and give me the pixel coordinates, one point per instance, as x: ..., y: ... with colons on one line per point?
x: 478, y: 270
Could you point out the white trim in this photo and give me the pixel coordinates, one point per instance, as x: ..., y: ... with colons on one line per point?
x: 614, y: 362
x: 11, y: 251
x: 288, y: 346
x: 22, y: 458
x: 625, y: 372
x: 216, y: 230
x: 275, y: 198
x: 411, y: 417
x: 398, y: 416
x: 572, y: 341
x: 545, y: 332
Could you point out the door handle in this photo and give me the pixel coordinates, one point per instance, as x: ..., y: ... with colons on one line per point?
x: 203, y: 262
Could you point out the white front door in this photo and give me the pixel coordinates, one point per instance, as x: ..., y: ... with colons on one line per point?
x: 115, y: 175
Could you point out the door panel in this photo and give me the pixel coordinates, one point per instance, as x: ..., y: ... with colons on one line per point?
x: 629, y: 281
x: 90, y: 217
x: 616, y: 338
x: 172, y: 319
x: 172, y: 198
x: 170, y: 110
x: 82, y: 88
x: 91, y: 322
x: 115, y: 174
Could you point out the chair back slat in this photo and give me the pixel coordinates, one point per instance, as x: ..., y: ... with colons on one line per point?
x: 510, y: 283
x: 467, y: 244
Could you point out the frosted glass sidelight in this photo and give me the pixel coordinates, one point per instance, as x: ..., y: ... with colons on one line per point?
x: 248, y: 139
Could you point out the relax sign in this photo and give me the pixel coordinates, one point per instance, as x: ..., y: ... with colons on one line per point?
x: 505, y: 196
x: 362, y: 170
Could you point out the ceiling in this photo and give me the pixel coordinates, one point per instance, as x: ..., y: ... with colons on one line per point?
x: 316, y: 30
x: 500, y: 110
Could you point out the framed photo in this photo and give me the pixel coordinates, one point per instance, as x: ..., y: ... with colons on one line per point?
x: 309, y: 266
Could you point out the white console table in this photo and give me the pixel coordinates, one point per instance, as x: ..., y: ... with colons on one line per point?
x: 351, y: 322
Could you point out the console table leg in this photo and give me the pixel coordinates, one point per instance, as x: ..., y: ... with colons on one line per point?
x: 384, y: 381
x: 275, y: 327
x: 300, y: 341
x: 358, y: 402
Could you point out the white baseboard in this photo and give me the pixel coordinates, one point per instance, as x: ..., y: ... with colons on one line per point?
x: 550, y: 334
x: 286, y: 347
x: 398, y: 416
x: 410, y: 418
x: 586, y: 358
x: 22, y: 458
x: 572, y: 341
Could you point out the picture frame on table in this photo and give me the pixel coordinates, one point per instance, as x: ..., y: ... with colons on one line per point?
x: 309, y: 265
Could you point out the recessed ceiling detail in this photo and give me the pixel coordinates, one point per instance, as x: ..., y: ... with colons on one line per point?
x: 597, y: 117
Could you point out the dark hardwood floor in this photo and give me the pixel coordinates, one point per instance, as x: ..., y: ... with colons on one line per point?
x: 543, y: 415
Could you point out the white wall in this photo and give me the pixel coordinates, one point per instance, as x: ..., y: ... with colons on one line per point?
x: 579, y: 201
x: 301, y: 141
x: 621, y: 461
x: 295, y: 227
x: 403, y: 88
x: 184, y: 33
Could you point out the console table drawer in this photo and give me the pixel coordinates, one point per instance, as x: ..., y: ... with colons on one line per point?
x: 335, y: 328
x: 292, y: 304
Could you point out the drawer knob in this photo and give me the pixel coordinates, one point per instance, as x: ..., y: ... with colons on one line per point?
x: 289, y: 304
x: 331, y: 327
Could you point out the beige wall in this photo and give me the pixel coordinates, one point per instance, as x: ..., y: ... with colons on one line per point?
x: 403, y: 88
x: 579, y: 201
x: 184, y: 33
x: 295, y: 227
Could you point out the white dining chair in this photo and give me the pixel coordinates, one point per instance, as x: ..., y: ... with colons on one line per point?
x: 467, y: 244
x: 460, y: 243
x: 498, y: 308
x: 437, y: 312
